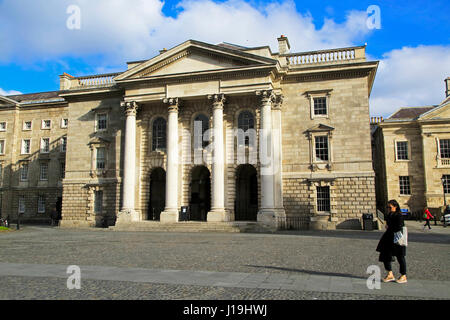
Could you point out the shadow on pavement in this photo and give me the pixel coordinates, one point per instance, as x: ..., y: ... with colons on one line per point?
x: 413, y: 235
x: 314, y: 273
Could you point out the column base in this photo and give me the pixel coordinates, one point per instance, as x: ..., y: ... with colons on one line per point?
x: 219, y: 215
x: 267, y: 217
x: 127, y: 215
x: 169, y: 215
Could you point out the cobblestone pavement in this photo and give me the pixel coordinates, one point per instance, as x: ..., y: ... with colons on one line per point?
x: 331, y: 253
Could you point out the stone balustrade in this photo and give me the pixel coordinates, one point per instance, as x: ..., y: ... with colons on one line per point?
x: 67, y: 82
x: 335, y: 56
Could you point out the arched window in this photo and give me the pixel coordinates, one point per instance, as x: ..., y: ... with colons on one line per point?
x: 201, y: 125
x: 159, y: 134
x: 246, y: 121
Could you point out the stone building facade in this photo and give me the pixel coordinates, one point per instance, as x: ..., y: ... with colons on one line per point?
x: 232, y: 133
x: 412, y: 157
x: 33, y: 140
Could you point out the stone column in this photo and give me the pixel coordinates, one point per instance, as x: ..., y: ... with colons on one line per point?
x: 171, y: 213
x: 218, y: 212
x: 266, y: 214
x: 127, y: 212
x: 280, y: 213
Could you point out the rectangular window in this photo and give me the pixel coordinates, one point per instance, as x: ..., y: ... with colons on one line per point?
x: 446, y: 183
x: 101, y: 158
x: 98, y: 202
x: 101, y: 122
x: 41, y: 204
x: 21, y: 204
x: 27, y: 125
x: 323, y: 199
x: 2, y: 126
x: 24, y: 172
x: 45, y: 145
x: 26, y: 146
x: 46, y: 124
x: 63, y: 170
x: 444, y: 148
x: 402, y: 150
x: 64, y: 123
x: 43, y: 176
x: 2, y: 146
x: 320, y: 106
x: 321, y: 143
x: 405, y: 186
x: 1, y: 173
x: 63, y: 144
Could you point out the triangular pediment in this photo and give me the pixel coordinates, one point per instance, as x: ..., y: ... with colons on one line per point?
x: 193, y: 56
x: 320, y: 128
x: 6, y: 102
x: 440, y: 112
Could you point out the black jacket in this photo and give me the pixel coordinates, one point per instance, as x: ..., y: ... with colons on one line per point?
x: 386, y: 247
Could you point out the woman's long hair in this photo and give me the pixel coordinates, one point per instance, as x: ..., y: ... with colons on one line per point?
x: 395, y: 204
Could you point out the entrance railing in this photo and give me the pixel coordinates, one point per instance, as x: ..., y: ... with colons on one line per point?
x: 293, y: 223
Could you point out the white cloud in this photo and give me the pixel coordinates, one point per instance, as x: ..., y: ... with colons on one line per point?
x: 121, y: 30
x: 410, y: 77
x: 8, y: 93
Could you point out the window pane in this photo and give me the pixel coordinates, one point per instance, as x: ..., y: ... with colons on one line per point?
x: 44, y: 171
x: 405, y: 187
x: 323, y: 199
x: 446, y: 183
x: 101, y: 122
x: 2, y: 126
x: 24, y: 172
x: 402, y: 150
x: 41, y: 204
x: 444, y: 145
x: 320, y: 106
x: 98, y: 201
x: 45, y: 145
x: 2, y: 146
x: 63, y: 144
x: 21, y: 204
x: 63, y: 170
x: 201, y: 125
x: 246, y: 121
x: 101, y: 158
x: 26, y: 146
x: 159, y: 134
x: 321, y: 148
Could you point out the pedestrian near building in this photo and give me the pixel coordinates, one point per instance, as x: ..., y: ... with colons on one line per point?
x: 54, y: 217
x: 427, y: 216
x: 387, y: 248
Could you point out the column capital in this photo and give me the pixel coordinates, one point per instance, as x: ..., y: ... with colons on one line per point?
x: 173, y: 103
x: 218, y: 100
x: 130, y: 107
x: 267, y: 96
x: 278, y: 102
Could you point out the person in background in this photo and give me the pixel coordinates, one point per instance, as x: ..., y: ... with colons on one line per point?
x: 387, y: 248
x: 428, y: 216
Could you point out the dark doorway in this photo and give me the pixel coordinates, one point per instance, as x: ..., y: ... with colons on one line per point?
x: 157, y: 194
x: 200, y: 202
x: 246, y: 204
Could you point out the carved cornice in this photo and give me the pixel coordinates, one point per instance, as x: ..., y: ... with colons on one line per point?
x: 218, y: 100
x: 130, y: 108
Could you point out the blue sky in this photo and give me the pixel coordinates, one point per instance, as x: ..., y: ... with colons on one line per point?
x: 413, y: 44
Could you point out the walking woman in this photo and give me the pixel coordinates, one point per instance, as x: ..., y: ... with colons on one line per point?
x: 428, y: 216
x: 387, y: 248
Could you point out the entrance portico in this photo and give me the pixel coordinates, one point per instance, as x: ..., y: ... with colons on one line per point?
x: 171, y: 96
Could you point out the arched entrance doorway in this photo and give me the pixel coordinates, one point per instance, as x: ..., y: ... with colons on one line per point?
x: 200, y: 200
x: 157, y: 194
x: 246, y: 203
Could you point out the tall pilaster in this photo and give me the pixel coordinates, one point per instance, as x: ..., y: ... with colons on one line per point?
x: 266, y: 213
x: 218, y: 212
x: 170, y: 213
x: 127, y: 212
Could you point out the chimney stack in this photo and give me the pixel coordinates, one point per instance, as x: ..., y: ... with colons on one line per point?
x: 447, y: 87
x: 283, y: 45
